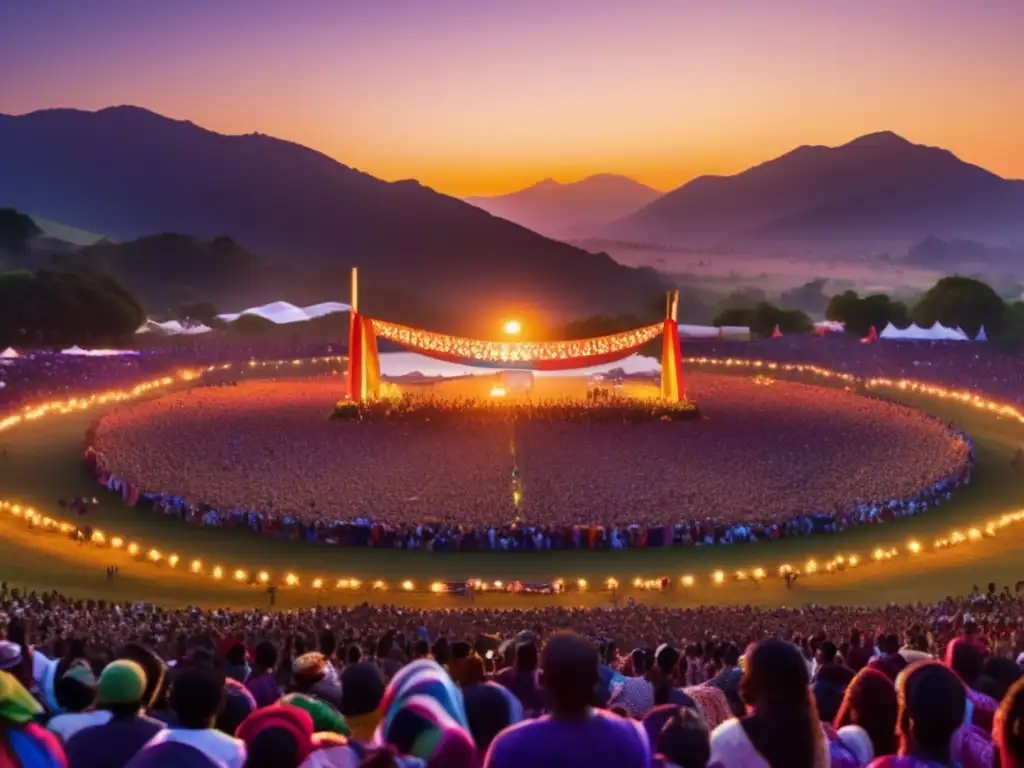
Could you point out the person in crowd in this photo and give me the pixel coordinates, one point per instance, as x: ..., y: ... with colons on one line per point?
x: 490, y: 709
x: 931, y: 710
x: 278, y: 736
x: 523, y: 679
x: 261, y: 683
x: 573, y: 734
x: 121, y: 693
x: 1008, y: 730
x: 362, y: 692
x: 965, y: 658
x: 23, y: 742
x: 197, y: 698
x: 783, y: 729
x: 870, y: 707
x: 76, y: 693
x: 683, y: 741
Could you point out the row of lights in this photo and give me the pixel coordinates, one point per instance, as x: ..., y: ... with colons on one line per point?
x: 718, y: 577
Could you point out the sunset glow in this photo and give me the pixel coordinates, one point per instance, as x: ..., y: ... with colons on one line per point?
x: 483, y: 98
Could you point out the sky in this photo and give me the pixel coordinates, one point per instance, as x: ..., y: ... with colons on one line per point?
x: 488, y: 96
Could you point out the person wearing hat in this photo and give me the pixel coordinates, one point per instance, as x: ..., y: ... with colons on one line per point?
x: 278, y: 736
x: 362, y: 690
x: 22, y: 741
x: 120, y: 693
x: 76, y: 695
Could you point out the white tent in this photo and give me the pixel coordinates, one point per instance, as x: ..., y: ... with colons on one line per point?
x: 937, y: 332
x: 981, y: 335
x: 77, y: 351
x: 9, y: 354
x: 725, y: 332
x: 282, y: 313
x: 830, y: 326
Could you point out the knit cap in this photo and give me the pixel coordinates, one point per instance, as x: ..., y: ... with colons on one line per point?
x: 121, y: 682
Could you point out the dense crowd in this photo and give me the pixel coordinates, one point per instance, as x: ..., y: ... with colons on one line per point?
x: 607, y: 407
x: 766, y: 461
x: 87, y: 683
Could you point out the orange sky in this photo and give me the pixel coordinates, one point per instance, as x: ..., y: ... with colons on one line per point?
x: 484, y: 97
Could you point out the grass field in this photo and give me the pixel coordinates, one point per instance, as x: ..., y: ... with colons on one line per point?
x: 42, y: 464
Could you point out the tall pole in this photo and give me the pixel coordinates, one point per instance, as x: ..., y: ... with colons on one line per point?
x: 355, y: 390
x: 355, y: 290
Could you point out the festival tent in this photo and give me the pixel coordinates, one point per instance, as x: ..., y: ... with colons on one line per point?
x: 829, y: 326
x: 11, y: 353
x: 77, y: 351
x: 981, y: 335
x: 777, y: 333
x: 716, y: 332
x: 283, y: 313
x: 937, y: 332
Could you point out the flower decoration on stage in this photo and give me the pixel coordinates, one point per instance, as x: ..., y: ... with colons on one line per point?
x: 539, y: 353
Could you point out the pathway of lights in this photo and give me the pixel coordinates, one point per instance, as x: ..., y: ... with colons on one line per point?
x: 263, y: 578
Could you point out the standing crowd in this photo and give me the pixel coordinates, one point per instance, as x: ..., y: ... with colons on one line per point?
x: 89, y: 684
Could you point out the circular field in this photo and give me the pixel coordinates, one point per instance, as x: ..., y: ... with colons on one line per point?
x: 41, y: 463
x: 764, y: 451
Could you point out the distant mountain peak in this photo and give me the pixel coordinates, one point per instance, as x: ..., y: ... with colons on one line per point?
x: 880, y: 139
x: 573, y: 209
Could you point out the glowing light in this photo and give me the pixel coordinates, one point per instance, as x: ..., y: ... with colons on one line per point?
x: 241, y: 575
x: 974, y: 534
x: 378, y: 584
x: 356, y: 583
x: 437, y: 587
x: 512, y: 328
x: 638, y: 582
x: 291, y: 580
x: 97, y: 537
x: 318, y: 583
x: 878, y: 554
x: 811, y: 567
x: 852, y: 561
x: 718, y: 577
x: 154, y: 555
x: 499, y: 585
x: 784, y: 569
x: 758, y: 574
x: 408, y: 585
x: 197, y: 566
x: 117, y: 542
x: 133, y: 549
x: 582, y: 584
x: 611, y: 583
x: 497, y: 391
x: 173, y: 561
x: 264, y: 577
x: 687, y: 581
x: 218, y: 572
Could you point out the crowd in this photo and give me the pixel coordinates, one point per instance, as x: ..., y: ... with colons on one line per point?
x: 485, y: 411
x: 87, y: 683
x: 766, y: 461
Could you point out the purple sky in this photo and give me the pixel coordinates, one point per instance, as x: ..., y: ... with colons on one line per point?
x: 485, y: 96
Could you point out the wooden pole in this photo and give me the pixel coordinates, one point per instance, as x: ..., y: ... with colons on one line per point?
x: 355, y: 290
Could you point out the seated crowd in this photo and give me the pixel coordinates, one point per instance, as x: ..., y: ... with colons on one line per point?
x: 766, y: 462
x: 87, y: 683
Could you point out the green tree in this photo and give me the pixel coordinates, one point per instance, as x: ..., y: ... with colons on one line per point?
x: 961, y: 301
x: 860, y: 314
x: 763, y: 318
x: 809, y: 297
x: 16, y: 231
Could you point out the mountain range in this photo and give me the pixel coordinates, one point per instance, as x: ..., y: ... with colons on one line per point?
x: 574, y: 210
x: 877, y: 191
x: 129, y: 173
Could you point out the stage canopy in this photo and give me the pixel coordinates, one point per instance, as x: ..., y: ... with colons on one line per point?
x: 523, y: 355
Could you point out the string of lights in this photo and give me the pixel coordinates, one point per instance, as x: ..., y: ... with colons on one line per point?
x: 815, y: 567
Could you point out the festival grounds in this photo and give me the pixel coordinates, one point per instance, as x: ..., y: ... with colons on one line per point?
x: 43, y: 464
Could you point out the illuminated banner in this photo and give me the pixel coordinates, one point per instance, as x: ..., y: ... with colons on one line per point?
x: 529, y: 355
